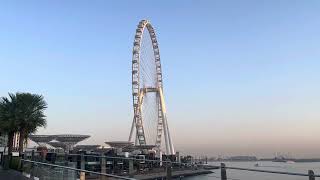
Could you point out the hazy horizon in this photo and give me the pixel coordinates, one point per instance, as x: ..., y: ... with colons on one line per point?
x: 240, y: 77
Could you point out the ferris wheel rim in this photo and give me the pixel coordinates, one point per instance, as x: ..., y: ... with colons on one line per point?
x: 137, y: 94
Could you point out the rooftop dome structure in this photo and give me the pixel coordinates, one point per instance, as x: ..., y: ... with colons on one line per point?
x: 119, y: 144
x: 64, y: 141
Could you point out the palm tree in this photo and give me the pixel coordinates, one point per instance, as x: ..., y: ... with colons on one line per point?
x: 30, y: 115
x: 23, y: 113
x: 8, y: 123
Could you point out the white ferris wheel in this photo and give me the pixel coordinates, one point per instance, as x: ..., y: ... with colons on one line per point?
x: 149, y: 125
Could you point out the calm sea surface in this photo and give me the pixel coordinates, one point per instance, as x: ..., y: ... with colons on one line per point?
x: 265, y: 165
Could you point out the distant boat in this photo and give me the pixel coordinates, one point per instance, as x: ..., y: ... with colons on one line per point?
x: 256, y: 165
x: 290, y: 162
x: 279, y: 160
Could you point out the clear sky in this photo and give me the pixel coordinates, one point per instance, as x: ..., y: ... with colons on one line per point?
x: 240, y: 77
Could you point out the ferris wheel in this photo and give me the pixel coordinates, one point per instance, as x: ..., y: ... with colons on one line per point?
x: 149, y: 125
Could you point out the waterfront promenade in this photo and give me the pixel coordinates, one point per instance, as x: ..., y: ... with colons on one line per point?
x: 11, y: 175
x: 175, y: 174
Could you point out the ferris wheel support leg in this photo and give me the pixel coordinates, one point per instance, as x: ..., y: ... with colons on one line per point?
x: 165, y: 134
x: 170, y: 140
x: 169, y: 146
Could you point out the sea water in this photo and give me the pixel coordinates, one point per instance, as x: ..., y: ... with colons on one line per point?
x: 263, y: 165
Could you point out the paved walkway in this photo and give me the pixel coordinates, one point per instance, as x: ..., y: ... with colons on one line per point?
x: 175, y: 174
x: 11, y: 175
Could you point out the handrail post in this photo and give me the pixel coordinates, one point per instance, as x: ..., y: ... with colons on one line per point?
x: 169, y: 171
x: 223, y: 172
x: 66, y: 158
x: 32, y: 165
x: 82, y: 164
x: 66, y: 163
x: 32, y: 155
x: 22, y: 162
x: 311, y: 175
x: 131, y: 171
x: 103, y: 167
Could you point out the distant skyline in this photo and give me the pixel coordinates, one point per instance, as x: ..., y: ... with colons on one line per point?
x: 240, y: 77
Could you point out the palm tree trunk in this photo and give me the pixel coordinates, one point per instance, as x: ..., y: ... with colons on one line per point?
x: 7, y: 158
x: 10, y: 142
x: 21, y: 141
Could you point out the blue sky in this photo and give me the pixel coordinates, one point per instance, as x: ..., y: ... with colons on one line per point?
x: 242, y: 76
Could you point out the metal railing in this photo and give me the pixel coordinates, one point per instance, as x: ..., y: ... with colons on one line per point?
x: 130, y: 166
x: 80, y: 171
x: 167, y: 167
x: 224, y: 168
